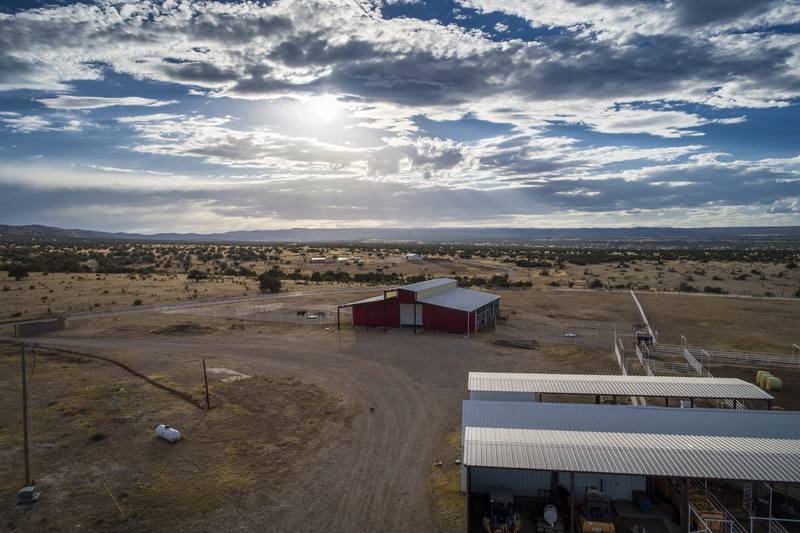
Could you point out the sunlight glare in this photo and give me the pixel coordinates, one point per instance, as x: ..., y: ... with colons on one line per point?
x: 325, y: 108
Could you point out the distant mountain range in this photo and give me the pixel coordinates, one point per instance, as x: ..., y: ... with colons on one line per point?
x: 750, y: 237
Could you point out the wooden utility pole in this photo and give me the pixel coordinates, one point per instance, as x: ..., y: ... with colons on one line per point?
x: 25, y: 420
x: 205, y: 377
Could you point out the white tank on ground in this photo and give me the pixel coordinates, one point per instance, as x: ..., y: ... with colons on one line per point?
x: 168, y: 432
x: 550, y: 514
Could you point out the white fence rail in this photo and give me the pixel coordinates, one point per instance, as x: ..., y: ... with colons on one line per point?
x: 516, y: 333
x: 243, y: 314
x: 599, y: 337
x: 545, y: 320
x: 694, y: 363
x: 760, y: 358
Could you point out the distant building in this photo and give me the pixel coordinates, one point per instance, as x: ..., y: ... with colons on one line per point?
x: 434, y: 304
x: 415, y: 257
x: 321, y: 260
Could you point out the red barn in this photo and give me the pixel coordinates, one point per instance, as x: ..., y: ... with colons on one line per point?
x: 434, y: 304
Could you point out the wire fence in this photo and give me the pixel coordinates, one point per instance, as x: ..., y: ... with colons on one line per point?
x: 546, y: 320
x: 197, y: 305
x: 318, y: 314
x: 557, y: 336
x: 696, y: 356
x: 742, y: 357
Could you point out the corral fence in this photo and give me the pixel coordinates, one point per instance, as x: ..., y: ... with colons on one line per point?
x: 234, y: 304
x: 598, y: 339
x: 742, y: 357
x: 701, y: 359
x: 727, y: 523
x: 558, y: 331
x: 770, y: 509
x: 546, y: 320
x: 311, y: 314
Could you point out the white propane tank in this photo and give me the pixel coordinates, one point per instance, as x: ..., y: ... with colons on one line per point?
x: 550, y: 514
x: 168, y: 432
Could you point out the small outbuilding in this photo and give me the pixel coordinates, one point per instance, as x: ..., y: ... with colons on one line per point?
x: 437, y: 304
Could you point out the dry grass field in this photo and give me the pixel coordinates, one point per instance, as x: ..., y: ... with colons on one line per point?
x: 52, y: 294
x: 322, y: 429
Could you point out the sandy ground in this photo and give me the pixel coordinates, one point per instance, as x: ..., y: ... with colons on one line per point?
x: 335, y: 430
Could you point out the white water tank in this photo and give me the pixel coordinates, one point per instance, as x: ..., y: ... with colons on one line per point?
x: 550, y: 514
x: 168, y: 432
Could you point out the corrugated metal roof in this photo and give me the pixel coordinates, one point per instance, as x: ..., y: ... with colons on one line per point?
x: 631, y: 419
x: 661, y: 386
x: 758, y: 459
x: 422, y: 285
x: 461, y: 299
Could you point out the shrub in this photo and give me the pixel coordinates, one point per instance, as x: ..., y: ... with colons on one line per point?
x: 685, y: 287
x: 714, y: 290
x: 18, y: 271
x: 196, y: 275
x: 269, y: 284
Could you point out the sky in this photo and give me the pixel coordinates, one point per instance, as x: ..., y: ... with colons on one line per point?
x: 211, y: 116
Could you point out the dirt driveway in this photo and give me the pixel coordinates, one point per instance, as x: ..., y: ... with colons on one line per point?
x: 368, y: 465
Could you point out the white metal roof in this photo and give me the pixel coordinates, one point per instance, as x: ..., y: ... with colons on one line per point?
x: 461, y: 299
x: 658, y: 441
x: 632, y: 419
x: 458, y: 298
x: 422, y: 285
x: 758, y: 459
x: 661, y: 386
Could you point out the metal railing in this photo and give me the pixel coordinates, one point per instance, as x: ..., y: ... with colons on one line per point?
x: 515, y: 333
x: 545, y: 320
x: 200, y: 303
x: 762, y: 358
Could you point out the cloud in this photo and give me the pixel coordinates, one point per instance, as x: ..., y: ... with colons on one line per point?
x: 28, y: 124
x: 668, y: 124
x: 785, y: 205
x: 423, y: 157
x: 96, y: 102
x: 34, y: 124
x: 218, y: 144
x: 513, y: 111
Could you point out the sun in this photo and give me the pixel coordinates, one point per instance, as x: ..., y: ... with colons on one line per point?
x: 325, y: 108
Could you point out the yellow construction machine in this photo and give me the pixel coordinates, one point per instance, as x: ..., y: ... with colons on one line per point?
x: 596, y: 515
x: 501, y: 517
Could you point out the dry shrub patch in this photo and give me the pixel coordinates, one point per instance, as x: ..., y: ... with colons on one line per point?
x: 186, y: 328
x: 445, y: 481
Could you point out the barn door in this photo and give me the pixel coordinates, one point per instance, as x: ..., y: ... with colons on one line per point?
x: 407, y: 315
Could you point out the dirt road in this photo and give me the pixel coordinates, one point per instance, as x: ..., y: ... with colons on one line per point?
x: 406, y: 390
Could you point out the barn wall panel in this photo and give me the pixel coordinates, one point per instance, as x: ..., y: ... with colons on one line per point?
x: 523, y: 482
x: 443, y: 318
x: 372, y: 314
